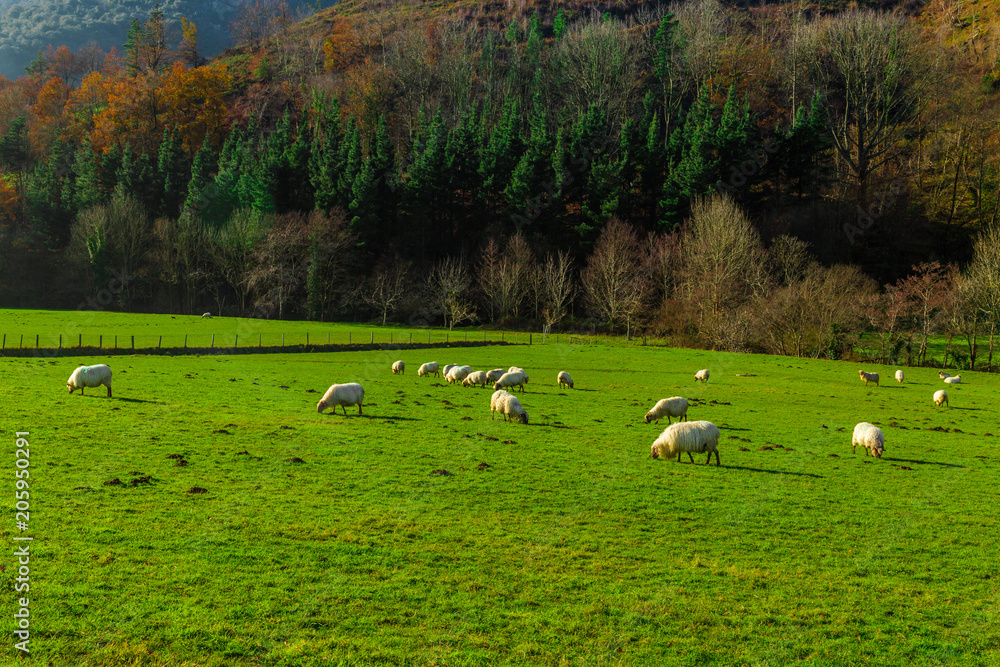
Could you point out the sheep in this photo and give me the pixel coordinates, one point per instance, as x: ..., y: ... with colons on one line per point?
x: 507, y: 405
x: 495, y: 375
x: 511, y: 380
x: 447, y: 367
x: 90, y: 376
x: 899, y: 376
x: 868, y: 377
x: 430, y: 368
x: 564, y: 379
x: 941, y: 398
x: 398, y: 367
x: 342, y: 395
x: 956, y: 379
x: 476, y: 378
x: 518, y: 369
x: 208, y: 315
x: 701, y: 375
x: 668, y: 407
x: 943, y: 375
x: 697, y: 436
x: 457, y: 374
x: 870, y: 437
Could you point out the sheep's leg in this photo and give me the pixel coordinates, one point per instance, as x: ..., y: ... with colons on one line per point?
x: 81, y: 391
x: 359, y: 408
x: 109, y: 390
x: 716, y: 458
x: 342, y: 407
x: 678, y: 457
x: 690, y: 457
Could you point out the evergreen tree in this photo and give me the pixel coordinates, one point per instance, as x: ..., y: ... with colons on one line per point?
x: 111, y: 162
x: 524, y: 193
x: 198, y: 192
x: 350, y: 157
x: 325, y: 162
x: 559, y: 25
x: 88, y: 189
x: 172, y: 174
x: 500, y: 155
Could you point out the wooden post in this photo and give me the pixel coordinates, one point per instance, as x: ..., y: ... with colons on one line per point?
x: 116, y: 341
x: 236, y: 343
x: 307, y: 338
x: 411, y: 336
x: 60, y: 341
x: 282, y: 340
x: 4, y: 342
x: 133, y: 342
x: 259, y: 336
x: 213, y: 341
x: 373, y: 338
x: 21, y: 344
x: 185, y: 341
x: 428, y: 337
x: 529, y: 339
x: 100, y: 341
x: 348, y: 337
x: 80, y: 343
x: 36, y: 341
x: 327, y: 337
x: 159, y: 343
x: 447, y: 336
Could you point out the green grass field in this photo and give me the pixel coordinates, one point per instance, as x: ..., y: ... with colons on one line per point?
x: 569, y: 547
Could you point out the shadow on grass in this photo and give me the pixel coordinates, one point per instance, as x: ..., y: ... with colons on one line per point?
x: 929, y: 463
x: 774, y: 472
x: 134, y: 400
x: 391, y: 417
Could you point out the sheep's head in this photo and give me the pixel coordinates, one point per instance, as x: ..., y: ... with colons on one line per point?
x: 646, y: 418
x: 321, y: 406
x: 523, y: 417
x: 496, y: 386
x: 877, y: 450
x: 70, y: 387
x: 653, y: 454
x: 861, y: 373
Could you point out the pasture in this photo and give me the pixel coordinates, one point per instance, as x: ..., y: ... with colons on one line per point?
x: 325, y: 539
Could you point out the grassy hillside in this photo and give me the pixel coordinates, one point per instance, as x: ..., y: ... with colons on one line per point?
x: 557, y: 542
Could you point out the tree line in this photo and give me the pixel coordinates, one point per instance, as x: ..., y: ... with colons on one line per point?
x: 452, y: 172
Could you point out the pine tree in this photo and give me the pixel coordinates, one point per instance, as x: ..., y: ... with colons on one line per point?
x: 501, y: 154
x: 87, y: 190
x: 325, y: 163
x: 559, y: 25
x: 524, y: 193
x: 199, y: 194
x: 351, y: 158
x: 172, y: 176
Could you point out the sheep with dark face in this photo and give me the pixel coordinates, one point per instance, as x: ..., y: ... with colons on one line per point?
x: 868, y: 377
x: 702, y: 375
x: 342, y: 395
x: 90, y: 376
x: 564, y: 379
x: 870, y: 437
x: 398, y: 367
x: 697, y: 436
x: 508, y: 406
x: 941, y: 398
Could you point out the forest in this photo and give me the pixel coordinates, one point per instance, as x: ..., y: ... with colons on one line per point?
x: 786, y: 178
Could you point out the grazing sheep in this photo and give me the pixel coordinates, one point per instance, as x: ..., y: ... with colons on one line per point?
x: 564, y: 379
x: 208, y: 315
x: 870, y: 437
x: 457, y: 374
x: 668, y: 407
x: 943, y: 375
x: 697, y: 436
x: 90, y: 376
x: 518, y: 369
x: 507, y: 405
x: 398, y: 367
x: 899, y: 376
x: 511, y: 380
x: 476, y: 378
x: 941, y: 398
x: 957, y: 379
x: 701, y: 375
x: 868, y: 377
x: 342, y: 395
x: 430, y: 368
x: 447, y: 367
x: 495, y: 375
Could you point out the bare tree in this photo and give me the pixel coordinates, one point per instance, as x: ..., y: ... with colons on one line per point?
x: 385, y: 289
x: 789, y: 257
x: 280, y: 265
x: 870, y: 66
x: 448, y: 285
x: 234, y: 246
x: 984, y: 274
x: 928, y: 291
x: 613, y: 280
x: 259, y: 20
x: 556, y: 287
x: 331, y: 257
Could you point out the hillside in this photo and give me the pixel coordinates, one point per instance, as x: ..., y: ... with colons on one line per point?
x: 31, y: 25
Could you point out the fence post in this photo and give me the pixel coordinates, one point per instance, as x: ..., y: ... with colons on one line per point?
x: 4, y: 342
x: 529, y: 339
x: 259, y: 337
x: 80, y: 343
x: 373, y: 338
x: 185, y: 341
x: 116, y: 341
x: 36, y: 341
x: 307, y: 339
x: 100, y: 341
x: 282, y: 340
x: 213, y: 341
x: 133, y: 342
x: 447, y: 337
x: 348, y: 337
x: 60, y: 341
x: 327, y: 337
x: 159, y: 343
x: 428, y: 337
x: 236, y: 343
x: 411, y: 337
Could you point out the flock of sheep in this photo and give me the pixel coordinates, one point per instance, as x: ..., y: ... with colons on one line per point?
x: 683, y: 437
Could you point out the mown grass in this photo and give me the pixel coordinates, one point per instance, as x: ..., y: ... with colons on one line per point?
x: 572, y: 547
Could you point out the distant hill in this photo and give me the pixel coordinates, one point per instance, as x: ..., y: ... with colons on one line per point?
x: 29, y: 25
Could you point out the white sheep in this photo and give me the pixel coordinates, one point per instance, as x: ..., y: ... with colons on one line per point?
x: 697, y: 436
x: 564, y: 379
x: 430, y: 368
x: 899, y: 376
x: 208, y: 315
x: 476, y: 378
x: 90, y: 376
x: 870, y: 437
x: 507, y: 405
x: 515, y: 369
x: 457, y: 374
x: 868, y: 377
x: 941, y: 398
x: 957, y: 379
x: 495, y: 374
x: 511, y: 380
x: 342, y: 395
x: 675, y: 406
x: 398, y: 367
x: 943, y: 375
x: 447, y: 367
x: 701, y: 375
